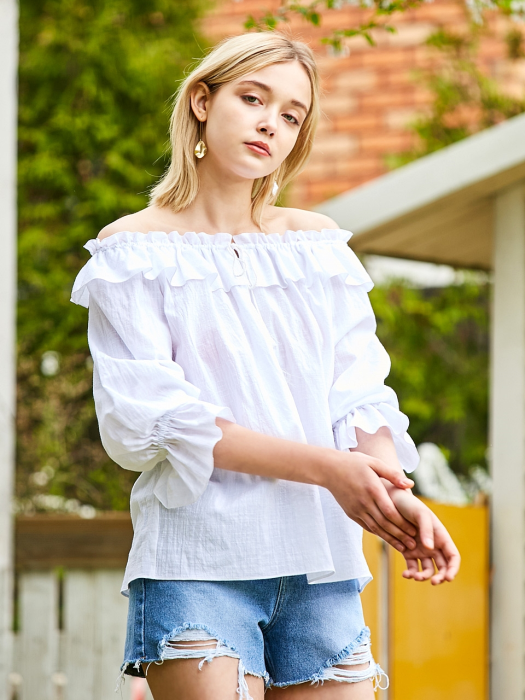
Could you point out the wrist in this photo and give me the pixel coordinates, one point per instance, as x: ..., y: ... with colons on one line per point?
x: 333, y: 469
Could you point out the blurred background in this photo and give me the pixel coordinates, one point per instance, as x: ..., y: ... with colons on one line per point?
x: 401, y: 81
x: 95, y: 82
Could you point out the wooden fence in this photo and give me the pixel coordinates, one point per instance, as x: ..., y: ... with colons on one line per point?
x: 69, y: 616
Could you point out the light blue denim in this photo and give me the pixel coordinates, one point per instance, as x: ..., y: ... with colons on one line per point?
x: 283, y: 630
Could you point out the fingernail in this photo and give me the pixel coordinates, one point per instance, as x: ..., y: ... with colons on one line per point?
x: 429, y: 543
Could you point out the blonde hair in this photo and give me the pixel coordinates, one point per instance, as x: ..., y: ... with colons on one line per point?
x: 229, y: 60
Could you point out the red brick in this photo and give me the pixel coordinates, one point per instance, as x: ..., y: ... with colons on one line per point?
x: 368, y: 93
x: 360, y: 122
x: 338, y: 103
x: 356, y: 80
x: 385, y: 143
x: 389, y: 98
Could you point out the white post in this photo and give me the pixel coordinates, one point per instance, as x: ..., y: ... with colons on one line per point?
x: 8, y: 119
x: 508, y: 447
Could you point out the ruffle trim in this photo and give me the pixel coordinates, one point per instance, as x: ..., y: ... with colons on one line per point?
x: 263, y: 260
x: 187, y: 436
x: 370, y: 418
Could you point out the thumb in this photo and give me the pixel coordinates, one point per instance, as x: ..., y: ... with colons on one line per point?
x: 392, y: 474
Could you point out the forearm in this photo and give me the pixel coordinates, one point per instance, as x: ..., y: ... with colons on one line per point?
x: 245, y: 450
x: 381, y: 446
x: 353, y: 479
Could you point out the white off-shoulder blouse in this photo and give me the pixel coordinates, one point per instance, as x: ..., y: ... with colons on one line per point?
x: 274, y: 332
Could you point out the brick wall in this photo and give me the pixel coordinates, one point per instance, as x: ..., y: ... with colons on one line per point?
x: 370, y: 95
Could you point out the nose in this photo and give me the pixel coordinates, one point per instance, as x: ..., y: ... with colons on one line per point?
x: 267, y: 130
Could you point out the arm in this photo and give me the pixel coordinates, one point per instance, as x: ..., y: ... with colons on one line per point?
x: 433, y: 543
x: 353, y: 478
x: 149, y: 415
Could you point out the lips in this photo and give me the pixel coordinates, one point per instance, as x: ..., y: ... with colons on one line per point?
x: 259, y: 147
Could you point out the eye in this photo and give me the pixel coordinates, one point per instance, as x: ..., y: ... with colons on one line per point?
x: 251, y: 99
x: 291, y: 119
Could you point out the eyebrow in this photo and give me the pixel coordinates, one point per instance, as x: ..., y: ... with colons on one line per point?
x: 267, y: 88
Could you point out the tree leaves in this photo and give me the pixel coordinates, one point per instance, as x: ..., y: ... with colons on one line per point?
x: 95, y: 82
x: 438, y: 343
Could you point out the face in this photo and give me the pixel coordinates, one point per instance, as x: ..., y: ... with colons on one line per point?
x: 252, y: 124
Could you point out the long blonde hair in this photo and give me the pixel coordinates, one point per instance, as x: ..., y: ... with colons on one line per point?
x: 228, y: 61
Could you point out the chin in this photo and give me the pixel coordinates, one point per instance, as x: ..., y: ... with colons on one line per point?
x: 252, y: 167
x: 250, y: 173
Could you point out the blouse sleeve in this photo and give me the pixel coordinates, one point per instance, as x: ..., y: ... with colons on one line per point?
x: 359, y: 397
x: 147, y: 411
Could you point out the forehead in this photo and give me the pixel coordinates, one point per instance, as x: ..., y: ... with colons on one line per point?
x: 287, y: 80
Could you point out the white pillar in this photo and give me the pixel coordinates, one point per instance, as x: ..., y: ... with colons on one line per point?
x: 8, y: 119
x: 507, y: 411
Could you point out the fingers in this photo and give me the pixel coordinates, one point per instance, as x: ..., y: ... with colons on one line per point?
x: 446, y: 566
x: 392, y: 514
x: 412, y: 568
x: 425, y: 526
x: 414, y: 572
x: 427, y: 569
x: 448, y: 549
x: 389, y: 526
x: 453, y: 562
x: 392, y: 474
x: 441, y: 565
x: 369, y: 524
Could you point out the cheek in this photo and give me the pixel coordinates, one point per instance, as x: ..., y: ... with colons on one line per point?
x: 221, y: 135
x: 289, y: 136
x: 226, y: 124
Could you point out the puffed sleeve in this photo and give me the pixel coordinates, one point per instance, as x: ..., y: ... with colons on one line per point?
x: 359, y: 397
x: 147, y: 412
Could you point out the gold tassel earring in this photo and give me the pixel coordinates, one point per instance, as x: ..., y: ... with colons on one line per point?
x: 200, y: 149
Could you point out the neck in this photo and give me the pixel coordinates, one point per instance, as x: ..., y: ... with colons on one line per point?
x: 222, y: 204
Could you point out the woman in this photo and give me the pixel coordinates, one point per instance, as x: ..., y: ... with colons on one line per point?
x: 228, y: 365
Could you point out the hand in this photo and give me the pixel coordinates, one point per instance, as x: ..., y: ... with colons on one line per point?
x: 435, y: 548
x: 358, y: 488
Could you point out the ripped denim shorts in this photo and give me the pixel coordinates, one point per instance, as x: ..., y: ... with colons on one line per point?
x: 283, y: 630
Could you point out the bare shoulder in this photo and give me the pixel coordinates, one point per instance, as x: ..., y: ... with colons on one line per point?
x: 302, y: 220
x: 130, y: 222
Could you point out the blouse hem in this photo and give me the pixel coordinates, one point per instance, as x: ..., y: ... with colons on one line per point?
x: 364, y: 577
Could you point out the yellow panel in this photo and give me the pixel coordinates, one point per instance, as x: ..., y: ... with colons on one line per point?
x: 371, y: 596
x: 439, y: 634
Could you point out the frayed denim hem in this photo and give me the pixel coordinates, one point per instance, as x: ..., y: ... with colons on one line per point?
x: 170, y: 648
x: 356, y: 653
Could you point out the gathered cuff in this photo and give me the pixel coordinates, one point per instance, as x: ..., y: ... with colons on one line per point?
x: 187, y: 436
x: 371, y: 417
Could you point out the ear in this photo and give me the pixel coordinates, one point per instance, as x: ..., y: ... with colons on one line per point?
x: 199, y: 98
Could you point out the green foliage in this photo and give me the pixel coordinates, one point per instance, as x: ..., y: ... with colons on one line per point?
x: 439, y: 340
x: 375, y: 11
x: 438, y: 343
x: 464, y: 99
x: 95, y: 84
x: 311, y: 11
x: 515, y: 41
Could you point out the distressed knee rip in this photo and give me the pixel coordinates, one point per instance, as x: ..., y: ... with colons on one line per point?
x: 358, y: 666
x: 201, y: 644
